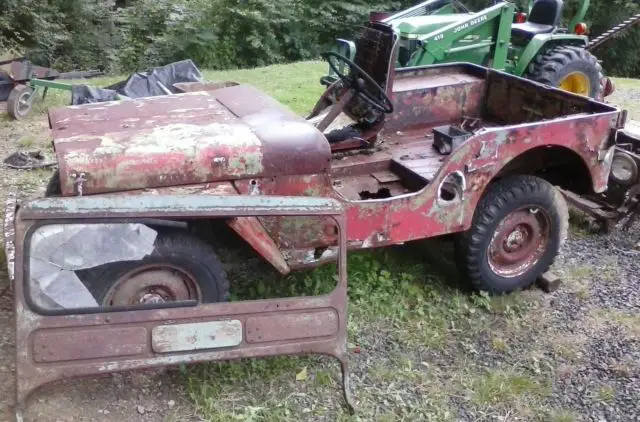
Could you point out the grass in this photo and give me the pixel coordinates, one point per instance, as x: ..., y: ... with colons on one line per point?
x: 629, y: 103
x: 427, y: 346
x: 627, y: 322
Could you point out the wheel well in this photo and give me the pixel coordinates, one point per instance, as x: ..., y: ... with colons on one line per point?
x: 558, y: 165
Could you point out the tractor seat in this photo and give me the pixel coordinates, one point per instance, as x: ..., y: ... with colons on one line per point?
x: 544, y: 18
x: 529, y: 30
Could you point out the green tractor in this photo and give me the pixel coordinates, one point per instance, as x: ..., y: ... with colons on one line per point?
x: 534, y: 45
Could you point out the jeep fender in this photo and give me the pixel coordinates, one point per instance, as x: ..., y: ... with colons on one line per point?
x: 253, y: 232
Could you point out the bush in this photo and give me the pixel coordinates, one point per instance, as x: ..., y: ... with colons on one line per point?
x: 223, y: 34
x: 61, y: 33
x: 129, y: 35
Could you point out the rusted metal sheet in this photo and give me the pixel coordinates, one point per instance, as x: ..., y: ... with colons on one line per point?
x: 202, y: 86
x: 432, y: 98
x: 546, y: 118
x: 21, y: 71
x: 70, y: 344
x: 196, y: 336
x: 423, y: 97
x: 190, y: 138
x: 62, y: 345
x: 253, y: 232
x: 292, y: 326
x: 146, y: 205
x: 291, y: 232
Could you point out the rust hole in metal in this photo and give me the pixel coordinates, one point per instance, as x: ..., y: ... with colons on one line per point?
x: 380, y: 194
x: 452, y: 187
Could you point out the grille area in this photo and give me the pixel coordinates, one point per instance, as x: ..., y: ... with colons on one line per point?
x: 373, y: 51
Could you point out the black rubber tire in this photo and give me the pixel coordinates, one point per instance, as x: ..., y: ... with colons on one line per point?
x: 6, y: 85
x: 53, y: 187
x: 500, y: 199
x: 552, y: 66
x: 175, y: 247
x: 13, y: 102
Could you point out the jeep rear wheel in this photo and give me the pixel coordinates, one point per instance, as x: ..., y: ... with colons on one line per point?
x: 517, y: 231
x: 180, y: 268
x: 570, y: 68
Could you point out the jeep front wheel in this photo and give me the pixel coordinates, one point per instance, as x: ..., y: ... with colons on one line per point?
x: 180, y: 268
x: 517, y: 231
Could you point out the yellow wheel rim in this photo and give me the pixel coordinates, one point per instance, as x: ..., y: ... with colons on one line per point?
x: 576, y: 82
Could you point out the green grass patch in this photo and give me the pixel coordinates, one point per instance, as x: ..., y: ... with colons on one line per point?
x: 500, y: 392
x: 619, y: 98
x: 297, y: 85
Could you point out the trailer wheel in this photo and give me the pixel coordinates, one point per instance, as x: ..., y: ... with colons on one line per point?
x: 518, y: 228
x: 570, y: 68
x: 19, y: 102
x: 180, y: 268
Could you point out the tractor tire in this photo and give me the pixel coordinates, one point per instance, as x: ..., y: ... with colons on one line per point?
x: 573, y: 67
x: 181, y: 267
x: 518, y: 228
x: 19, y: 102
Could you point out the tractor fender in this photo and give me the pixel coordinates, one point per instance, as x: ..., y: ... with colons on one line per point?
x: 540, y: 42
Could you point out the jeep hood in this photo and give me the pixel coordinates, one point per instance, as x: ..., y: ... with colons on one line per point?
x: 196, y: 137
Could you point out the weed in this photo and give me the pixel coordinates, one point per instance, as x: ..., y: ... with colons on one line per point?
x: 606, y: 393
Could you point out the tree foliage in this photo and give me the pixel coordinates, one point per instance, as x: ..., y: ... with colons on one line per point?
x: 127, y: 35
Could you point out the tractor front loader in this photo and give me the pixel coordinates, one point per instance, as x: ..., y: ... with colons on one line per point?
x: 534, y: 45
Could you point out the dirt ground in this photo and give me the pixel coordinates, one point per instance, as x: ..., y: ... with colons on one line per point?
x: 162, y: 395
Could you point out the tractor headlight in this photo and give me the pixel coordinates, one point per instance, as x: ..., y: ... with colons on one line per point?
x: 624, y: 169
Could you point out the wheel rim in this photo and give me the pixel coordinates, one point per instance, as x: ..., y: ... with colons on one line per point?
x: 23, y: 105
x: 576, y: 82
x: 154, y: 284
x: 519, y: 241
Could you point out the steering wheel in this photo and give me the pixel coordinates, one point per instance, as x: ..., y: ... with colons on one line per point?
x: 360, y: 81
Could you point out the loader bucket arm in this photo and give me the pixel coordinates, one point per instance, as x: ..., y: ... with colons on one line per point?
x: 437, y: 44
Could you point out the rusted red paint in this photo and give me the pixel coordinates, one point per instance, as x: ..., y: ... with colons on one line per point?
x: 202, y: 86
x: 292, y: 326
x: 182, y: 139
x: 51, y: 346
x: 22, y: 71
x: 253, y: 232
x: 517, y: 116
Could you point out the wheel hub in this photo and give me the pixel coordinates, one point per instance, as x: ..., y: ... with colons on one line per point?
x: 152, y: 286
x: 576, y: 82
x: 518, y: 242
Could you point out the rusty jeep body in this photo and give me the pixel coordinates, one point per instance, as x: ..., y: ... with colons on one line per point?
x: 404, y: 155
x: 410, y: 153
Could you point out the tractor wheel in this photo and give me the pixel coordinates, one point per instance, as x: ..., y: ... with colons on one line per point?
x: 518, y: 228
x: 180, y: 268
x: 570, y: 68
x: 20, y: 101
